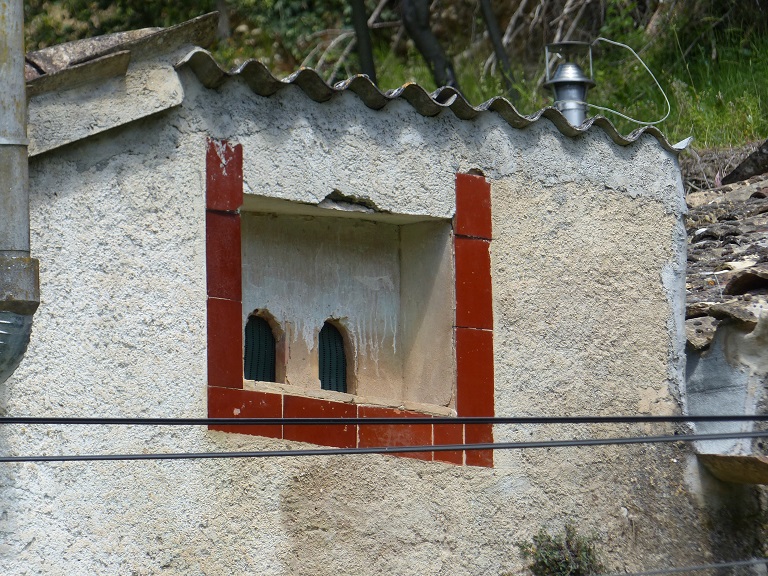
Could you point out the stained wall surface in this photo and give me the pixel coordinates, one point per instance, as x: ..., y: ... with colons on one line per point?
x: 386, y: 286
x: 306, y: 270
x: 587, y: 263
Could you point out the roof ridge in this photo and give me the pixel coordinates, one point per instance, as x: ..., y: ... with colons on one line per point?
x: 259, y: 78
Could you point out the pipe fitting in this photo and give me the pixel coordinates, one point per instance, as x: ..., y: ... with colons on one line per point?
x: 15, y: 330
x: 19, y: 284
x: 19, y: 298
x: 19, y: 274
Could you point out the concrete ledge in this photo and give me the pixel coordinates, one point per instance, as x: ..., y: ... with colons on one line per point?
x: 738, y: 469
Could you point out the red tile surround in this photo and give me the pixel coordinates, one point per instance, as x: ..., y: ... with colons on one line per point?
x: 230, y: 403
x: 222, y: 255
x: 223, y: 176
x: 473, y: 333
x: 225, y: 346
x: 449, y: 434
x: 223, y: 198
x: 473, y: 207
x: 399, y: 435
x: 474, y: 307
x: 338, y: 436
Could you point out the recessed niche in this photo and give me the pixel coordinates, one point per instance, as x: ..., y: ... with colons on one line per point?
x: 387, y: 284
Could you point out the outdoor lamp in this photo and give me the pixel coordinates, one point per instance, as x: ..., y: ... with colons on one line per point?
x: 569, y: 83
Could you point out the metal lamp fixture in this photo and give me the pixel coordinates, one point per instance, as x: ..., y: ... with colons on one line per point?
x: 569, y: 83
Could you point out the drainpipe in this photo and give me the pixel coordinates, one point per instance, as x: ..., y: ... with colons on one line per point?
x: 19, y: 274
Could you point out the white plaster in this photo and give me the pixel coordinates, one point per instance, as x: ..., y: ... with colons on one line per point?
x: 377, y: 280
x: 583, y: 231
x: 382, y: 155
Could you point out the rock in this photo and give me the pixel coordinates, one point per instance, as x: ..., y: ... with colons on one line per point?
x: 754, y: 164
x: 727, y: 274
x: 700, y: 331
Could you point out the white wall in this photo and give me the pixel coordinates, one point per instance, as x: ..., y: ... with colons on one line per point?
x: 118, y: 226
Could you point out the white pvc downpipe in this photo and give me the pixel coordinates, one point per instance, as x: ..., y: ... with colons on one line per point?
x: 19, y: 274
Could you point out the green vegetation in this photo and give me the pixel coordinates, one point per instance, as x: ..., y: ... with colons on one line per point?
x: 710, y: 56
x: 568, y: 554
x: 718, y: 92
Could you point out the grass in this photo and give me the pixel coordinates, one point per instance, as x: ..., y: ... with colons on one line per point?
x: 719, y: 102
x: 726, y: 101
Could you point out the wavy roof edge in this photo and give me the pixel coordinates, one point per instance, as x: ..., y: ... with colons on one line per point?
x: 113, y: 52
x: 258, y: 77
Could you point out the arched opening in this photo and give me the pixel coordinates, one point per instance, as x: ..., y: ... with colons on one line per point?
x: 333, y: 360
x: 259, y: 360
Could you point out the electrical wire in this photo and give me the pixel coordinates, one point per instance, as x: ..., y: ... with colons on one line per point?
x: 385, y: 449
x: 36, y: 420
x: 603, y: 108
x: 700, y: 567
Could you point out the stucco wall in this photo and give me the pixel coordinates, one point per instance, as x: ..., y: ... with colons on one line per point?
x: 587, y: 285
x: 581, y: 313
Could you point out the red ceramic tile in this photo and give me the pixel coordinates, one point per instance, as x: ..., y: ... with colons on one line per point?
x: 341, y: 436
x: 449, y: 434
x: 473, y: 206
x: 394, y: 434
x: 479, y: 434
x: 474, y: 372
x: 225, y: 343
x: 229, y: 403
x: 223, y: 176
x: 474, y: 303
x: 222, y: 255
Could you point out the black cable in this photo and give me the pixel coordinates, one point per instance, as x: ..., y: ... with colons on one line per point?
x: 694, y: 568
x: 382, y: 421
x: 386, y: 449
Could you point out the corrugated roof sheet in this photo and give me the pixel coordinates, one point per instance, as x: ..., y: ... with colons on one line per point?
x: 60, y: 67
x: 263, y: 83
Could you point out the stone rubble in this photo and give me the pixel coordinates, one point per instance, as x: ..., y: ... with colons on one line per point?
x: 727, y: 257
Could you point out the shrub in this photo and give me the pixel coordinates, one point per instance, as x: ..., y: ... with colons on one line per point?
x: 569, y: 554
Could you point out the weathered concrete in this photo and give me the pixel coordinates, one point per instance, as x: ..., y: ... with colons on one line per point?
x: 88, y: 109
x: 729, y: 377
x: 587, y: 262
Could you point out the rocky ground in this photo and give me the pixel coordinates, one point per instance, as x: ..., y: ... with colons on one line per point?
x: 727, y: 230
x: 703, y: 169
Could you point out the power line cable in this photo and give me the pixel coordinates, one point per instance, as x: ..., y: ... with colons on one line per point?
x: 10, y: 420
x: 385, y: 449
